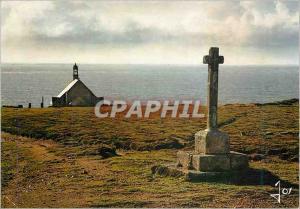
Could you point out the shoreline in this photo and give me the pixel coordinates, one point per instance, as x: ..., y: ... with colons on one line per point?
x: 277, y: 102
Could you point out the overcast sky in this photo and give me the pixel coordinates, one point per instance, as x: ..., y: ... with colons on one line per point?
x: 149, y: 32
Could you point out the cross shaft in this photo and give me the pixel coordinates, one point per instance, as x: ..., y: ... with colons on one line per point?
x: 213, y: 60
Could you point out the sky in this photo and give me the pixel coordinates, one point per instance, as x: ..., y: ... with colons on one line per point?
x: 149, y: 32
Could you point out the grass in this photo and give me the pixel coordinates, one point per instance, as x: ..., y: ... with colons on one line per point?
x: 126, y: 181
x: 48, y: 158
x: 252, y: 128
x: 10, y: 154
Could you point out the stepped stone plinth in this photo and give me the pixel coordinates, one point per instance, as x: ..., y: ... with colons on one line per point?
x: 211, y: 154
x: 208, y: 163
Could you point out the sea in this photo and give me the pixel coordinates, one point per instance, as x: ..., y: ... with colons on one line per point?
x: 28, y: 83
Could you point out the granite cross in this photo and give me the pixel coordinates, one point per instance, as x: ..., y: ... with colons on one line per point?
x: 213, y: 60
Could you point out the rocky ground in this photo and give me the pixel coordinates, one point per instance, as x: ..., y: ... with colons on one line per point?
x: 67, y: 157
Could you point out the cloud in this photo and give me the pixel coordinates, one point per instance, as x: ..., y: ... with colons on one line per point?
x: 187, y: 26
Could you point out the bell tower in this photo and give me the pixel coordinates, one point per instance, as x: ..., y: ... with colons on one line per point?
x: 75, y: 72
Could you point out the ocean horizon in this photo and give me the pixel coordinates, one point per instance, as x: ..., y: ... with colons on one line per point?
x: 28, y: 83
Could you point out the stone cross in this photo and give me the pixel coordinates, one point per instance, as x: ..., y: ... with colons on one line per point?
x: 211, y: 158
x: 213, y: 60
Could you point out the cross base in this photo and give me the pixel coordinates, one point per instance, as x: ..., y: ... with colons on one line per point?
x: 206, y: 168
x: 200, y: 176
x: 211, y: 142
x: 211, y: 163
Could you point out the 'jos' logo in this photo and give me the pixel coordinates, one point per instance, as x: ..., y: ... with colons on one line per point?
x: 283, y: 191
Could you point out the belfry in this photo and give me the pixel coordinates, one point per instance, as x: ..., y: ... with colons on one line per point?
x: 75, y: 94
x: 75, y: 72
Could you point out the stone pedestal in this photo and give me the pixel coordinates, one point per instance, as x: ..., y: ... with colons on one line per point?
x: 211, y: 163
x: 211, y: 142
x: 211, y: 155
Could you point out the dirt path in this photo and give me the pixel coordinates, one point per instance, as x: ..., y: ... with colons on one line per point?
x: 43, y: 177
